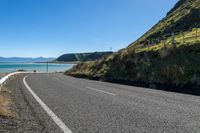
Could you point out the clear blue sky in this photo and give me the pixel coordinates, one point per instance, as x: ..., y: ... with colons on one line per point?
x: 49, y: 28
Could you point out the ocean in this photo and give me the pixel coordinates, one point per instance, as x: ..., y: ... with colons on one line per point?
x: 39, y: 67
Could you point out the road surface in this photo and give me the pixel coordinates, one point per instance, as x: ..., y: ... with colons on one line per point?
x: 86, y: 106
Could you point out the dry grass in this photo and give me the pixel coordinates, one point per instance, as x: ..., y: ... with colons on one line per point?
x: 5, y: 103
x: 5, y: 100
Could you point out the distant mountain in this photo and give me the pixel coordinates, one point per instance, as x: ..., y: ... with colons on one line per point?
x: 22, y: 59
x: 167, y: 54
x: 73, y: 57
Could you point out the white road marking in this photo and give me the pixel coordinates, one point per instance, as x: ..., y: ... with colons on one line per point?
x: 113, y: 94
x: 55, y: 118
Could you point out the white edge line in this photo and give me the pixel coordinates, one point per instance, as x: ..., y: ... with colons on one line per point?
x: 100, y: 91
x: 55, y: 118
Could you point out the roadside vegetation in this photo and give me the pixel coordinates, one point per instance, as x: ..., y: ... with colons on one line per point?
x: 168, y: 53
x: 5, y: 103
x: 6, y: 113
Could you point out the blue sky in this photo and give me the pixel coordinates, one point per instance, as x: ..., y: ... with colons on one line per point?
x: 49, y: 28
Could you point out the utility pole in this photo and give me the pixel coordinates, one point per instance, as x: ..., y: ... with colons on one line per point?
x: 110, y: 49
x: 47, y: 67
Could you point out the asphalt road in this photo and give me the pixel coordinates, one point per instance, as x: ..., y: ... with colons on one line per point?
x: 86, y: 106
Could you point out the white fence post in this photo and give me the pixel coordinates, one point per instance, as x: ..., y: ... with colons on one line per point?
x: 172, y: 40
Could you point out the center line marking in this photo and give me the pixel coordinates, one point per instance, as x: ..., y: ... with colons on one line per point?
x: 55, y: 118
x: 113, y: 94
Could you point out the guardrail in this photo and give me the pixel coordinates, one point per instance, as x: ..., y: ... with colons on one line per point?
x: 3, y: 80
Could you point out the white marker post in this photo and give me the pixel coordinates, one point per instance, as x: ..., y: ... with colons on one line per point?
x: 172, y: 40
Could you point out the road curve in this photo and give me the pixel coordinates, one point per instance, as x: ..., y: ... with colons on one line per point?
x: 86, y: 106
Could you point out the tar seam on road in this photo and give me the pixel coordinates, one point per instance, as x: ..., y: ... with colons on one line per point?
x: 55, y: 118
x: 100, y: 90
x: 55, y: 78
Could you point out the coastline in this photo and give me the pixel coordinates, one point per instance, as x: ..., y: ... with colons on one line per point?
x: 30, y: 67
x: 60, y: 62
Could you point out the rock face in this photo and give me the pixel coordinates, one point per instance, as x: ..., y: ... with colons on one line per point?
x: 152, y: 59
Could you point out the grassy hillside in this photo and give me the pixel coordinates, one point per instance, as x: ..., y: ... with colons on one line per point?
x: 155, y: 57
x: 74, y: 57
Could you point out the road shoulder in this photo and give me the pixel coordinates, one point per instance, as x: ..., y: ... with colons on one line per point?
x: 20, y: 116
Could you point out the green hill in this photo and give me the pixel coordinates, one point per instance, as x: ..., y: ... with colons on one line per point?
x: 77, y: 57
x: 168, y: 53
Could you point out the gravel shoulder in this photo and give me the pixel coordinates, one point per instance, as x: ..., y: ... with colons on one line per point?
x: 19, y: 116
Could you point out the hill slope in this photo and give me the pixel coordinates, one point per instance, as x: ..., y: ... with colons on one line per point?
x: 158, y: 56
x: 73, y: 57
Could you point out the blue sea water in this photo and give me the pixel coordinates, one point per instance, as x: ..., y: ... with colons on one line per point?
x: 39, y: 67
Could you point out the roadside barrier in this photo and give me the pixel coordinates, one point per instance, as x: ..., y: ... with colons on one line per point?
x: 3, y: 80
